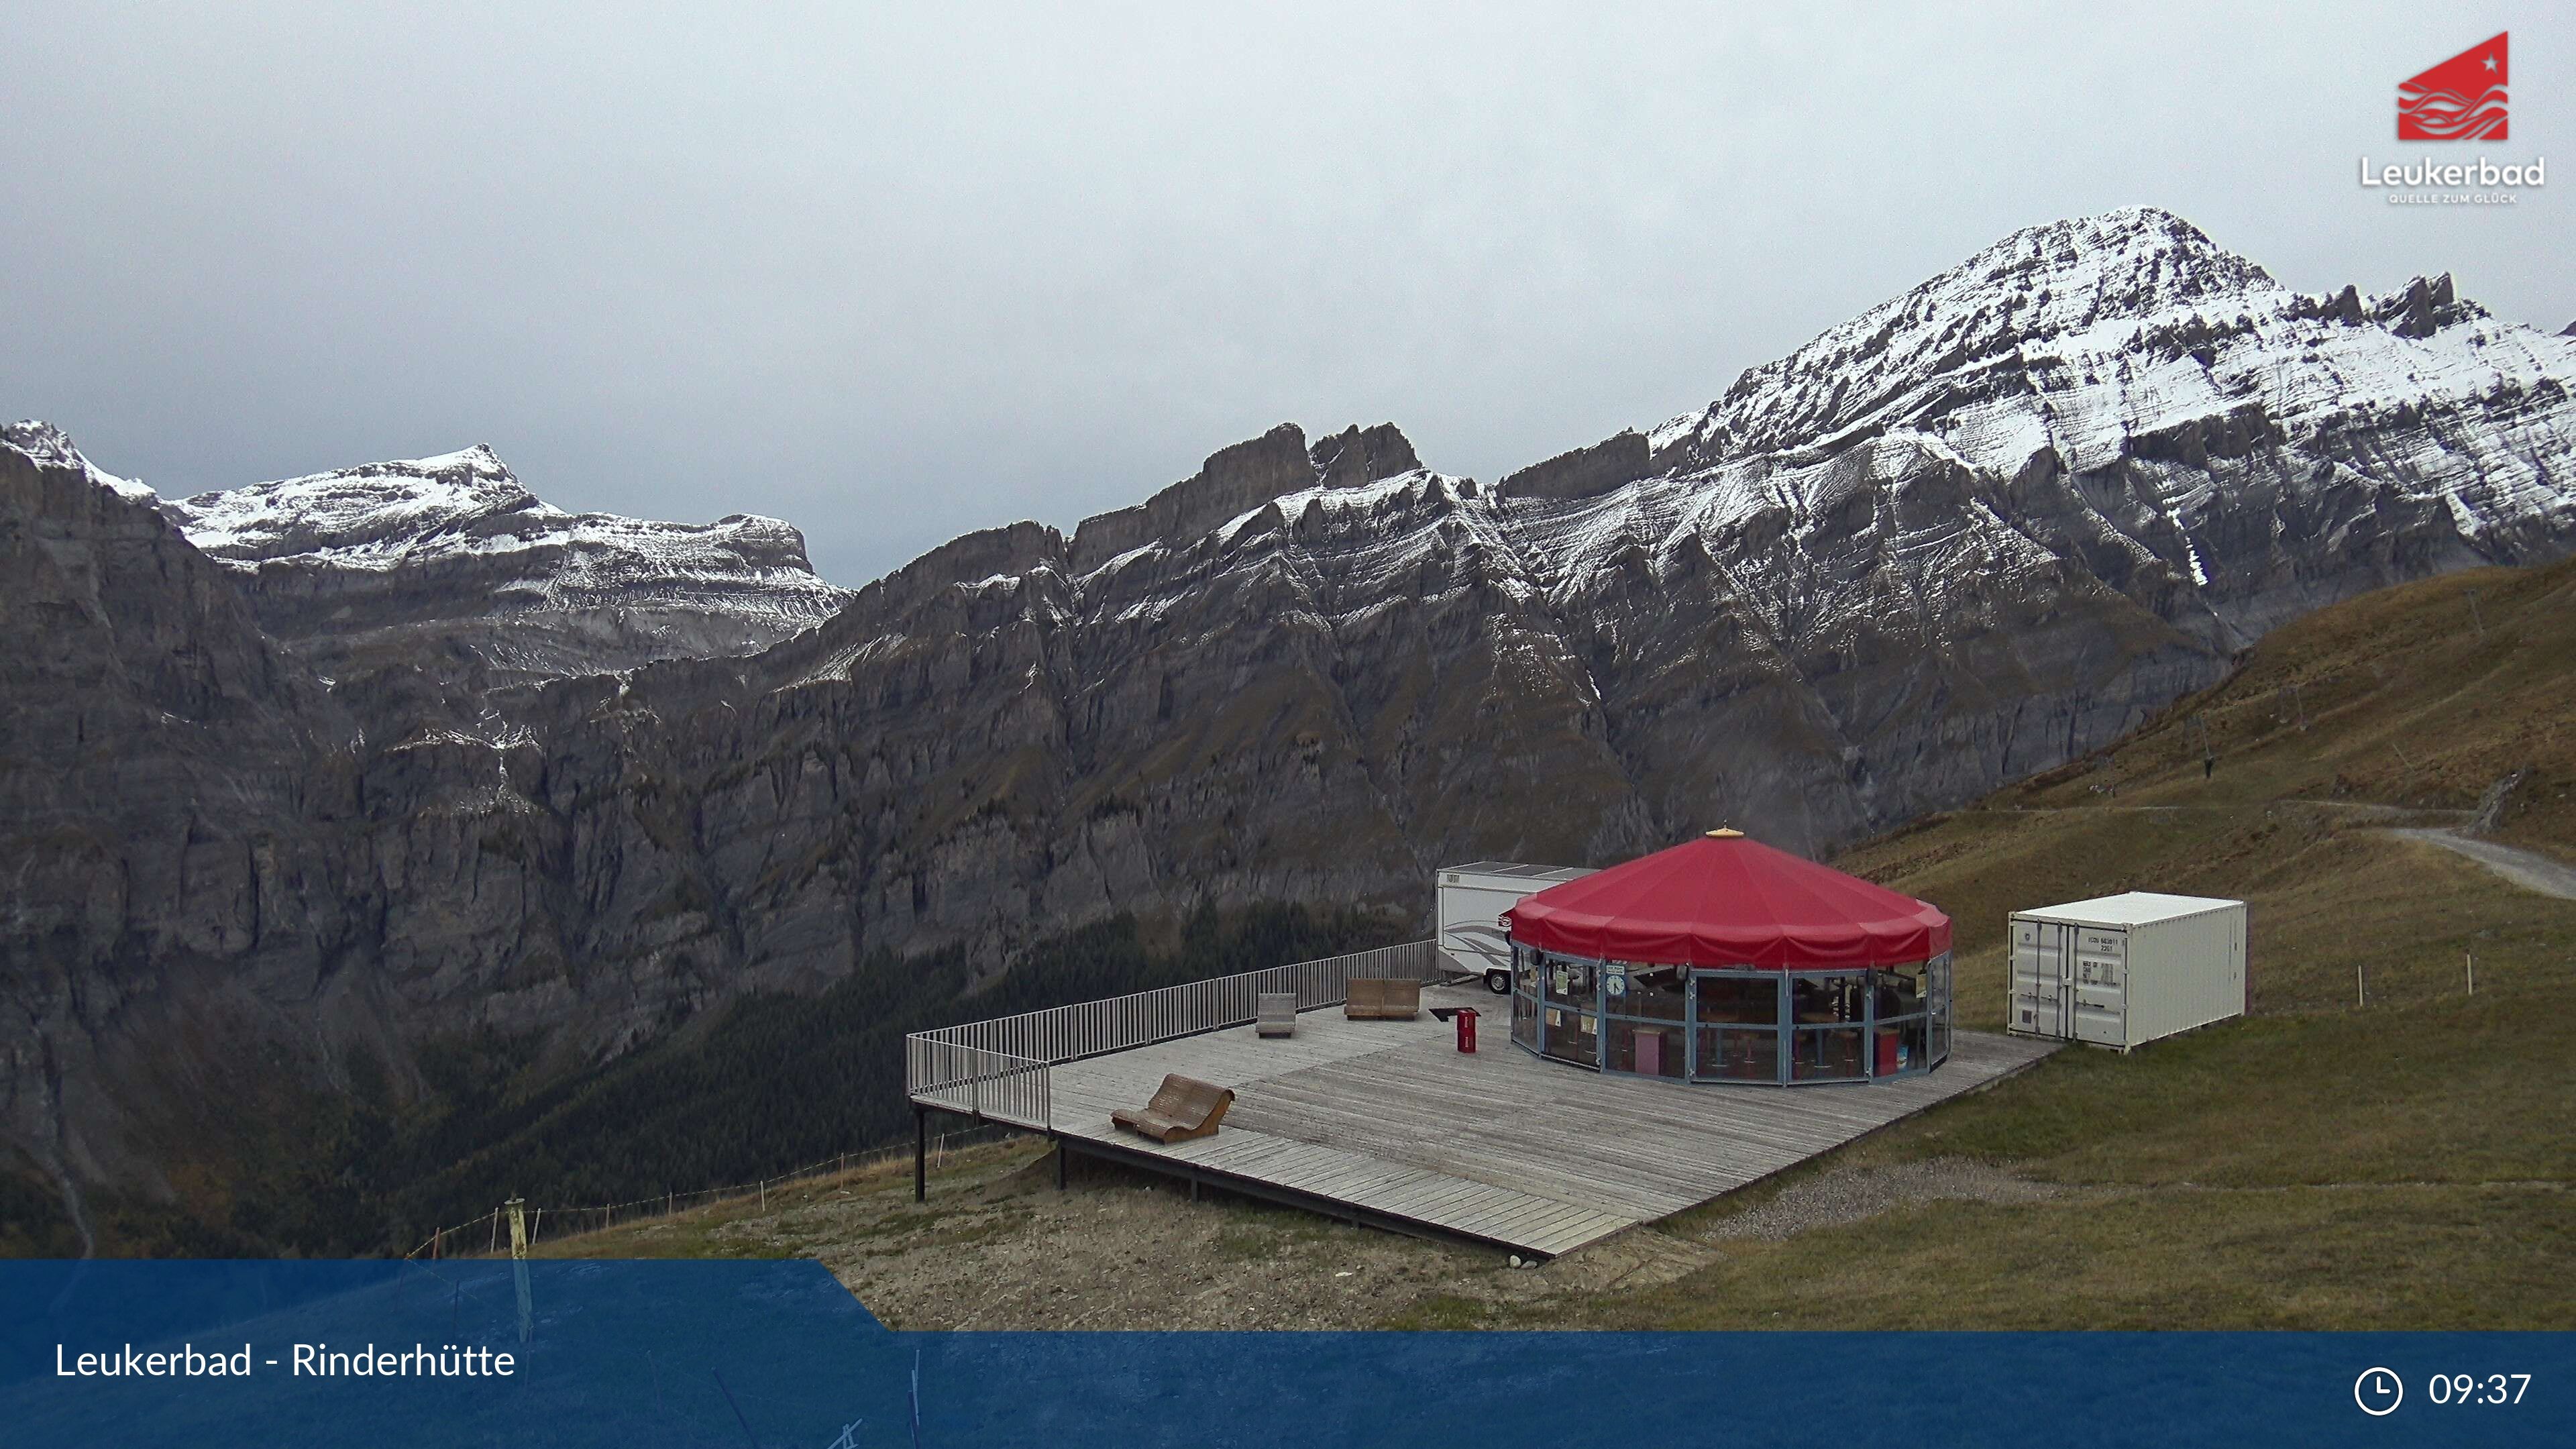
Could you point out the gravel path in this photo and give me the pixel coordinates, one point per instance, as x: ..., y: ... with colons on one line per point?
x: 2527, y: 869
x: 1848, y: 1194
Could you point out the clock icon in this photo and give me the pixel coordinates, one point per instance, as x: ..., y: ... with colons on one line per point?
x: 2378, y: 1391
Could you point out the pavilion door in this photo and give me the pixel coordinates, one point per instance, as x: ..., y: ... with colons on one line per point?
x: 1570, y: 1021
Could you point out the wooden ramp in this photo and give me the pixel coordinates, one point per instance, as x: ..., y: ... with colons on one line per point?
x: 1386, y: 1122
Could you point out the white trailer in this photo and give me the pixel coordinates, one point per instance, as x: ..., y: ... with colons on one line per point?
x: 1472, y: 901
x: 2120, y: 971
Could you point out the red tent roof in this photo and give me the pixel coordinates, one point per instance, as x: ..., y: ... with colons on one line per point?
x: 1728, y: 900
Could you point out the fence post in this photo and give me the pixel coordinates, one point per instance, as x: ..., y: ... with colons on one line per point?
x: 519, y: 1265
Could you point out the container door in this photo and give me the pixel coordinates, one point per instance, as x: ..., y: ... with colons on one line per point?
x: 2101, y: 996
x: 2043, y: 968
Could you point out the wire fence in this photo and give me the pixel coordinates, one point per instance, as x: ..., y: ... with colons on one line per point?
x: 489, y: 1235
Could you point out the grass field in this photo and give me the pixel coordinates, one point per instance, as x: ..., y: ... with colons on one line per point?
x: 2374, y: 1147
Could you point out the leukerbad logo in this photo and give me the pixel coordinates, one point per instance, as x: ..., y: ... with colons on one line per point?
x: 2462, y: 99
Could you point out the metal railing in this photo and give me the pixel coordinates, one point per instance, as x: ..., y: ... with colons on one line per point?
x: 990, y: 1085
x: 998, y: 1069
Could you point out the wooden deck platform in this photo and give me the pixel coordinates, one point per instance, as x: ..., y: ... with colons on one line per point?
x: 1386, y: 1122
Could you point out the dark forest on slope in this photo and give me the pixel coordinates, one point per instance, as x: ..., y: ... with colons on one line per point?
x: 773, y: 1082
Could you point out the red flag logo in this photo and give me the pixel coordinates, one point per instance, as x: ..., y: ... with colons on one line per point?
x: 2462, y: 99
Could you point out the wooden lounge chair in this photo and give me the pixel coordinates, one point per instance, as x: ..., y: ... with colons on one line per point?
x: 1374, y: 998
x: 1183, y: 1108
x: 1275, y: 1013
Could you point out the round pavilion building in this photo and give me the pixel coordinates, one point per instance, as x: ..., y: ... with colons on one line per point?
x: 1724, y: 960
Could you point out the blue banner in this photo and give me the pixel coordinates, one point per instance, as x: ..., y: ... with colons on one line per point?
x: 779, y: 1354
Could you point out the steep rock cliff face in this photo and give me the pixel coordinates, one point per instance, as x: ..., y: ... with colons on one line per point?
x: 172, y: 785
x: 1977, y: 531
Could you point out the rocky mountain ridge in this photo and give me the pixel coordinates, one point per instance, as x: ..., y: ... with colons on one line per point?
x: 452, y: 559
x: 1971, y: 534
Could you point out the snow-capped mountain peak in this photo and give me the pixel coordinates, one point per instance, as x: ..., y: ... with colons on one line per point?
x: 416, y: 511
x: 2091, y: 345
x: 50, y: 447
x: 372, y: 513
x: 2085, y: 285
x: 454, y: 546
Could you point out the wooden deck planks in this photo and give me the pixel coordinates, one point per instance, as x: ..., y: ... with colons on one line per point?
x: 1545, y: 1157
x: 1650, y: 1147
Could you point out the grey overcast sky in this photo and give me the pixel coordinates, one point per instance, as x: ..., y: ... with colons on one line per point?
x: 898, y: 273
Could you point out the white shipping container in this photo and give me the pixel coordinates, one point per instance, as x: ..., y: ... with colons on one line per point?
x: 2121, y: 971
x: 1472, y: 899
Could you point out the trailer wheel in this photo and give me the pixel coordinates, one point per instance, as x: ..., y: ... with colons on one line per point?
x: 1499, y: 982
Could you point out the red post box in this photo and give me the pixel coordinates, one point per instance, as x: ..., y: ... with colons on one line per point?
x: 1466, y: 1029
